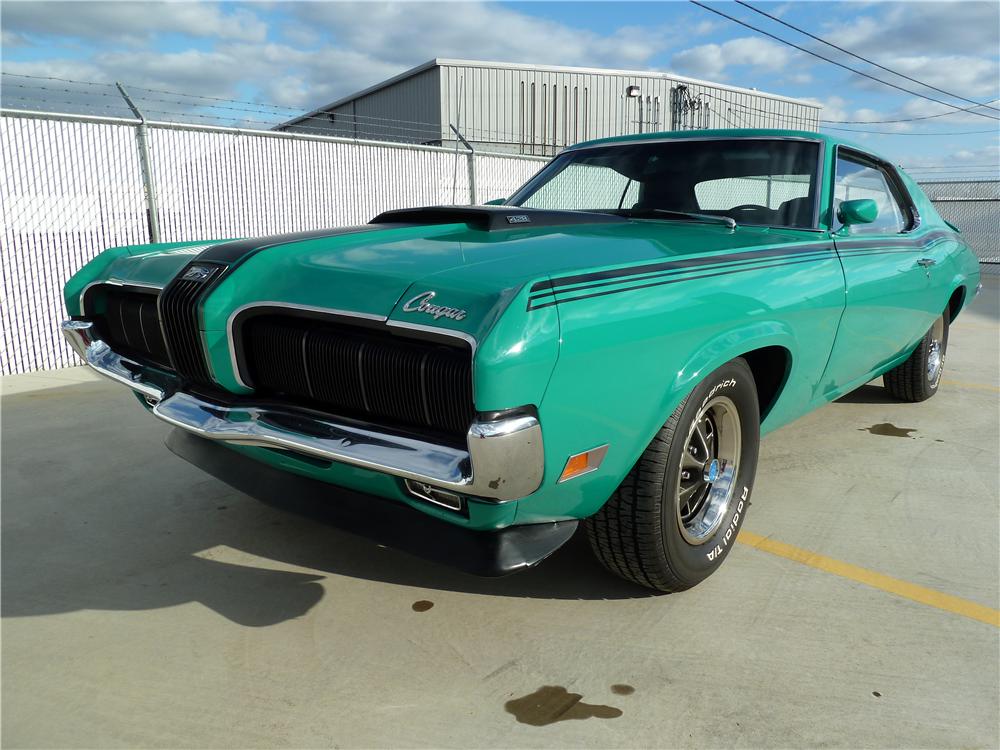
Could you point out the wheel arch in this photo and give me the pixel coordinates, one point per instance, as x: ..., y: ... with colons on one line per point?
x: 770, y: 366
x: 956, y: 303
x: 769, y: 349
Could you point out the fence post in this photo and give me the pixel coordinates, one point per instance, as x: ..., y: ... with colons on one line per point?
x: 146, y: 165
x: 471, y: 157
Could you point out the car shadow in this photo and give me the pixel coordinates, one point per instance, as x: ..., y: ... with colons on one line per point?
x: 98, y: 514
x: 868, y: 394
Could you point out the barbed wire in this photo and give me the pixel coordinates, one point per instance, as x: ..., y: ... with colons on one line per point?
x: 355, y: 126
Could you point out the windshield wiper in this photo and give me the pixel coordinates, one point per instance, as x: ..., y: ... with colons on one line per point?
x: 640, y: 213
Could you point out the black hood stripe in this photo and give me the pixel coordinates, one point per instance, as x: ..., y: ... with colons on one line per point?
x: 229, y: 253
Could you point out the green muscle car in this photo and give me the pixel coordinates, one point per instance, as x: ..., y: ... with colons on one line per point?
x: 606, y: 346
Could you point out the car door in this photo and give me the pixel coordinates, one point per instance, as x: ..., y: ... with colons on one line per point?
x: 886, y: 273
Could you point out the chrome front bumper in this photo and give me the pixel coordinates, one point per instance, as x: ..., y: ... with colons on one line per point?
x: 503, y: 459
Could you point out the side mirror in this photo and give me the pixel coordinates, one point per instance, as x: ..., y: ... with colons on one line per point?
x: 496, y: 202
x: 860, y: 211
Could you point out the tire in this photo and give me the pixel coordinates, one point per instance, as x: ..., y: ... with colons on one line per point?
x: 645, y: 533
x: 917, y: 378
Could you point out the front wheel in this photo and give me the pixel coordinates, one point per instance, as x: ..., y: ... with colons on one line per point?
x: 675, y: 517
x: 917, y: 378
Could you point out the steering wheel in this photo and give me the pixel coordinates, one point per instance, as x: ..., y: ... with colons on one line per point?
x: 749, y: 207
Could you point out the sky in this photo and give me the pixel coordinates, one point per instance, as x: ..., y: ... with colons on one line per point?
x: 300, y: 55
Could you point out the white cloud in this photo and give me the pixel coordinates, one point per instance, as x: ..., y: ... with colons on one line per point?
x: 934, y: 28
x: 406, y: 33
x: 712, y: 60
x: 131, y: 22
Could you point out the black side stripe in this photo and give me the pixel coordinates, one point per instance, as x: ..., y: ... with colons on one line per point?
x: 848, y: 243
x: 613, y: 273
x: 845, y: 247
x: 667, y: 281
x: 721, y: 263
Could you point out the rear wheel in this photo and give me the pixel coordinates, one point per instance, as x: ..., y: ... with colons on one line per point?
x: 675, y: 517
x: 917, y: 378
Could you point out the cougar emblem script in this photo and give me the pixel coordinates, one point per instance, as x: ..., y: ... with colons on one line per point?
x: 422, y: 303
x: 518, y: 219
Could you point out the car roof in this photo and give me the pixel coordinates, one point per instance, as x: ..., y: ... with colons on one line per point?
x: 719, y: 133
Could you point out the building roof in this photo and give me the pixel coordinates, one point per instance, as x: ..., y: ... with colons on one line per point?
x: 442, y: 61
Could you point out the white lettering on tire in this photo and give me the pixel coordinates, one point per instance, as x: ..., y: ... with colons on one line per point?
x: 733, y: 525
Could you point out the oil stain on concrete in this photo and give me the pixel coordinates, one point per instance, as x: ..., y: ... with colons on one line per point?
x: 552, y: 703
x: 422, y: 606
x: 622, y: 689
x: 889, y: 430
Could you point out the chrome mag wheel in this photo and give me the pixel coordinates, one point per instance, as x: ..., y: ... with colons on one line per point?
x: 709, y: 465
x: 935, y: 352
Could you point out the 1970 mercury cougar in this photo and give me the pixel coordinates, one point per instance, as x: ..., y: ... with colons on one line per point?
x: 608, y: 345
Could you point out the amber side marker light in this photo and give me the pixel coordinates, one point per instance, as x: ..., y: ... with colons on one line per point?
x: 583, y: 463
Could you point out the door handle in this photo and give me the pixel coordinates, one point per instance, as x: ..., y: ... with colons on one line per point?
x: 926, y: 262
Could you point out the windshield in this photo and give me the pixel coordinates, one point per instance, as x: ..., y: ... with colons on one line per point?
x: 752, y: 181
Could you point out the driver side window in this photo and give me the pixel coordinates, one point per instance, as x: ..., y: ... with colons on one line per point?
x: 857, y: 179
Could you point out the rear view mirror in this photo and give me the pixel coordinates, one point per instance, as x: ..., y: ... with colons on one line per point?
x: 860, y: 211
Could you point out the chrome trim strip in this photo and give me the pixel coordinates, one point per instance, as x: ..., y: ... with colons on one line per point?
x: 467, y: 338
x: 504, y: 459
x: 289, y: 306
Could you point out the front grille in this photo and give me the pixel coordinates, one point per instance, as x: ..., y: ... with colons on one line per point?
x: 130, y: 323
x: 179, y: 305
x: 359, y: 372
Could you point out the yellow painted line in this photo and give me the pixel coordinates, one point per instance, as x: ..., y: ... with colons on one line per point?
x: 963, y: 384
x: 911, y: 591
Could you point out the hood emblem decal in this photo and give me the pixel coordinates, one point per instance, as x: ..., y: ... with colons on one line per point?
x: 422, y: 304
x: 198, y: 273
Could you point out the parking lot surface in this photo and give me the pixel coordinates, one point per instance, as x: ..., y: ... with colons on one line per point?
x: 146, y: 604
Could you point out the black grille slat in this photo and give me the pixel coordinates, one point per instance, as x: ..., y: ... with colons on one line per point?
x: 179, y: 305
x: 336, y: 377
x: 360, y: 372
x: 283, y: 367
x: 130, y: 323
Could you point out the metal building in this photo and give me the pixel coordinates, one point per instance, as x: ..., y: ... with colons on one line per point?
x: 539, y: 109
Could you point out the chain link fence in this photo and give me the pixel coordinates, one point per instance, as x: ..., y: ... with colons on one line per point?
x: 973, y: 207
x: 74, y: 185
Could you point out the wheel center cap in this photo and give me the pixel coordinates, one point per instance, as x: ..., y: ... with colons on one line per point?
x: 712, y: 470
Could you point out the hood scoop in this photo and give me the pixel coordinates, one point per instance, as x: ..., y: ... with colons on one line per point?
x: 494, y: 218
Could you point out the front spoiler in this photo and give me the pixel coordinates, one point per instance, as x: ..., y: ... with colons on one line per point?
x: 485, y: 553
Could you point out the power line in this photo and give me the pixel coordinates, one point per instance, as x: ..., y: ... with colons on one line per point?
x: 822, y: 124
x: 865, y: 59
x: 831, y: 61
x: 910, y: 119
x: 897, y: 132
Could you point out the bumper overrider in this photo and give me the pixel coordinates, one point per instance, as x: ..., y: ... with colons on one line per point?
x: 502, y: 460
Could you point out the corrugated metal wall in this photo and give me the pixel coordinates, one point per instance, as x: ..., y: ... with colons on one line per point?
x: 530, y: 111
x: 404, y: 112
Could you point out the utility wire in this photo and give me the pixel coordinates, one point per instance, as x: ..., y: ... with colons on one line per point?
x: 865, y: 59
x: 831, y: 61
